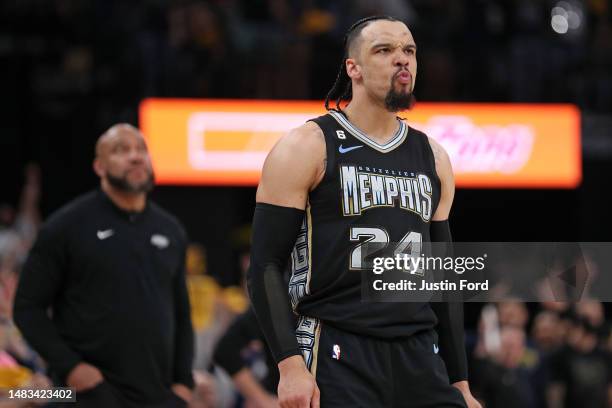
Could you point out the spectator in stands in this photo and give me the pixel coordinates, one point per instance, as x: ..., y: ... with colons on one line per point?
x: 513, y: 313
x: 242, y: 352
x: 546, y: 332
x: 504, y: 378
x: 581, y: 372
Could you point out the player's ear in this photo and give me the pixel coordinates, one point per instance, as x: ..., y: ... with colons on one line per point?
x: 98, y: 167
x: 352, y: 68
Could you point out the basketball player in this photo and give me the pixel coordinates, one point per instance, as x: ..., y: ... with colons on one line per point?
x: 316, y: 183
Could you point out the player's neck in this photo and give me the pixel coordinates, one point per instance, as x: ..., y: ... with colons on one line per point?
x: 127, y: 201
x: 376, y: 121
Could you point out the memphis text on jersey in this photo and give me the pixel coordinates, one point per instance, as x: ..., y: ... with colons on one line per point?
x: 366, y: 187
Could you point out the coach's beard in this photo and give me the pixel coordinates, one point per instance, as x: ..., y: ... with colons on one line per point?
x: 398, y: 101
x: 122, y: 184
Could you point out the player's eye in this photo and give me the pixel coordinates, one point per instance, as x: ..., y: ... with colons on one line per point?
x: 383, y: 50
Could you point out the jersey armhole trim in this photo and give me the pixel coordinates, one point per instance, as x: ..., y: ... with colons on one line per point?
x: 329, y: 154
x: 432, y: 159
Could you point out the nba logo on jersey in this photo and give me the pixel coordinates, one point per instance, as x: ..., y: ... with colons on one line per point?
x: 336, y: 353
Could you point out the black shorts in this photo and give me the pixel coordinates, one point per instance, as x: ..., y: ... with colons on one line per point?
x: 357, y: 371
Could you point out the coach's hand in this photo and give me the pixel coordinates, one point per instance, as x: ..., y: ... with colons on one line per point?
x: 84, y: 377
x: 470, y: 401
x: 297, y: 388
x: 182, y: 391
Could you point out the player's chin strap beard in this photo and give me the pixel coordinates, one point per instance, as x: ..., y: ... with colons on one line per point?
x: 395, y: 102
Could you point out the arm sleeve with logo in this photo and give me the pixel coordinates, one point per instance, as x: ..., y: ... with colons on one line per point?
x: 450, y: 327
x: 275, y: 230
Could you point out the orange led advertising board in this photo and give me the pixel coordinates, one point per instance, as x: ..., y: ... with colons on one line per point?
x: 225, y: 142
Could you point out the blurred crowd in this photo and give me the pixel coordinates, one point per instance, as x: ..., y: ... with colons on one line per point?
x: 547, y: 355
x: 19, y: 364
x: 70, y: 68
x: 63, y: 56
x: 528, y: 355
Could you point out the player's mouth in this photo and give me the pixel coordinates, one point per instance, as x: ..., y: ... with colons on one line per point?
x: 404, y: 77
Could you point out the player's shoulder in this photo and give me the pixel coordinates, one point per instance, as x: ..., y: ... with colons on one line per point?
x: 307, y: 135
x: 306, y: 142
x: 294, y: 162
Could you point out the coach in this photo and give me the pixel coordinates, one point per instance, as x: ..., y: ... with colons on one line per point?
x: 102, y: 296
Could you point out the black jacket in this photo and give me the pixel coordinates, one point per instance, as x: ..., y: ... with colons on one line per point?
x: 114, y: 282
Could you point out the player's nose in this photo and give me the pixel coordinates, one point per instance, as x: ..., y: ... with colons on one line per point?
x: 401, y: 59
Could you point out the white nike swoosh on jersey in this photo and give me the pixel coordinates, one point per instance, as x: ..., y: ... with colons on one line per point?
x: 102, y: 235
x: 348, y: 149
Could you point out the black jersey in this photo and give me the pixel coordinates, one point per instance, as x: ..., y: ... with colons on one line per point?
x: 370, y: 192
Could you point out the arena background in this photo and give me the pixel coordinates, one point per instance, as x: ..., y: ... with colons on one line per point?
x: 69, y: 69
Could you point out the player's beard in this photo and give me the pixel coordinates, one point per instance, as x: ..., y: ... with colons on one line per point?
x: 122, y: 183
x: 398, y: 101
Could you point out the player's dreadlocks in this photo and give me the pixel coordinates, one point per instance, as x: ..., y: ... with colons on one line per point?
x: 342, y: 89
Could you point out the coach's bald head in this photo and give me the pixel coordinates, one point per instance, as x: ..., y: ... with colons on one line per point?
x: 122, y: 160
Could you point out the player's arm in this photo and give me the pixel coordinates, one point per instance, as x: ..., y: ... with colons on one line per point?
x: 450, y: 326
x: 294, y: 167
x: 447, y: 180
x: 450, y: 315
